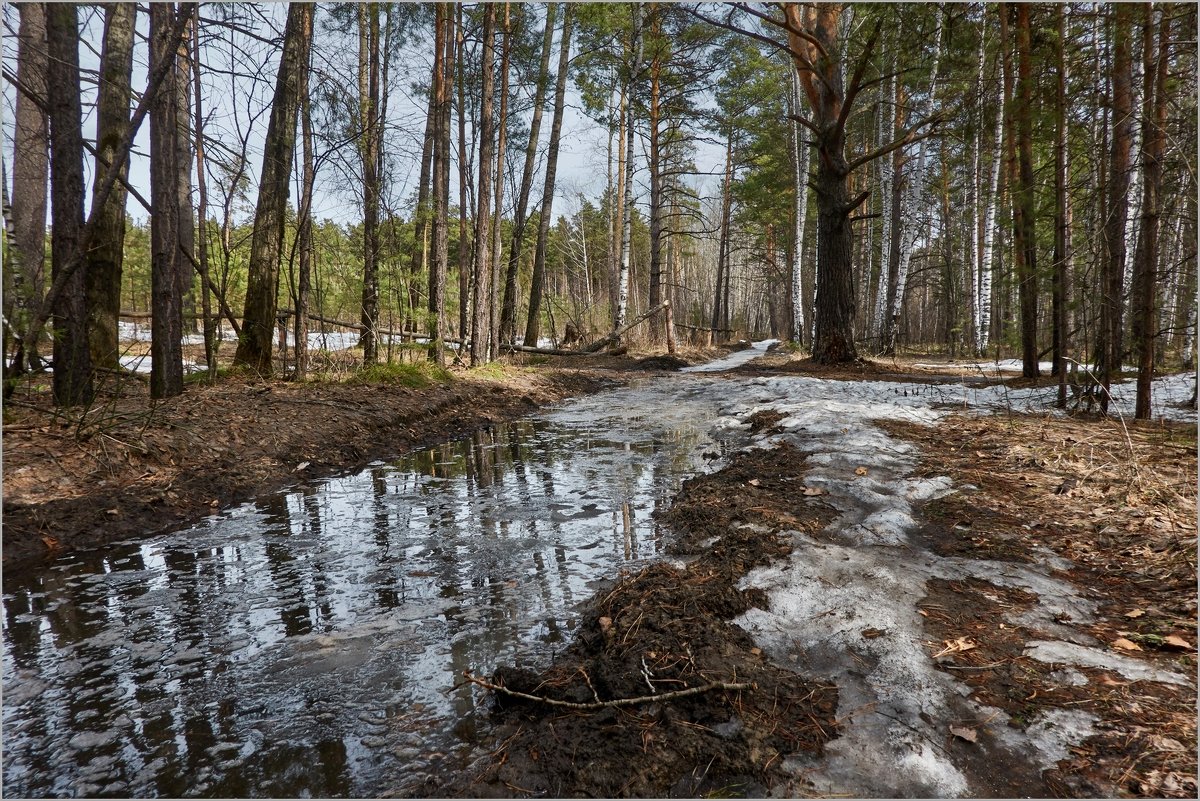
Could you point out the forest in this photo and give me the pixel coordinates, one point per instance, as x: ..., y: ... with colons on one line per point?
x: 606, y: 399
x: 1013, y: 179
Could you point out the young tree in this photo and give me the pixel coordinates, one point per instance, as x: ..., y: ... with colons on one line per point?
x: 262, y: 288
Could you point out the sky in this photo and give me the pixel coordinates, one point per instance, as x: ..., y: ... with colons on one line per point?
x: 230, y: 103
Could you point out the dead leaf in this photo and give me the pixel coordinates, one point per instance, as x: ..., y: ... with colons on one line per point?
x: 754, y: 482
x: 963, y: 733
x: 605, y: 626
x: 870, y: 634
x: 810, y: 491
x: 1126, y: 645
x: 860, y: 471
x: 956, y: 646
x: 1135, y: 613
x: 756, y: 651
x: 922, y: 613
x: 1175, y: 641
x: 302, y: 465
x: 113, y: 512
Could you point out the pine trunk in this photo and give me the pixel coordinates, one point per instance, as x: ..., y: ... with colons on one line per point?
x: 72, y: 383
x: 480, y: 324
x: 627, y: 222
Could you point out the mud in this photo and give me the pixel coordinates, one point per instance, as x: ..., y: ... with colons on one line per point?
x: 667, y: 628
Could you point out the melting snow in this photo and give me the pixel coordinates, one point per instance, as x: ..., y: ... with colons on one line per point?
x: 894, y: 703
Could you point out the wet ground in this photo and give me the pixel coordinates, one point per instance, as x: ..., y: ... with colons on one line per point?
x: 314, y: 642
x: 309, y: 643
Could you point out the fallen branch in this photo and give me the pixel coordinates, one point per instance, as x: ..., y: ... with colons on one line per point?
x: 543, y: 351
x: 642, y: 699
x: 615, y: 336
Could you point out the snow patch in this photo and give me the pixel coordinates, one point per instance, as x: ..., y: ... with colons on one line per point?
x: 1056, y: 652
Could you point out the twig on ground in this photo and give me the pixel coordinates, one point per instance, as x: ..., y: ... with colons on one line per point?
x: 643, y: 699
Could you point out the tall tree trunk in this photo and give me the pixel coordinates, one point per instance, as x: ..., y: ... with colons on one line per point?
x: 304, y: 233
x: 800, y: 159
x: 31, y: 168
x: 986, y: 253
x: 419, y: 258
x: 480, y: 324
x: 1144, y: 328
x: 103, y: 268
x: 464, y: 232
x: 443, y: 69
x: 210, y: 322
x: 534, y: 321
x: 1118, y: 199
x: 498, y: 192
x: 627, y: 224
x: 976, y: 194
x: 1062, y: 219
x: 369, y: 146
x: 1025, y: 230
x: 183, y: 182
x: 72, y: 383
x: 262, y: 287
x: 166, y: 323
x: 508, y: 309
x: 654, y: 158
x: 720, y: 311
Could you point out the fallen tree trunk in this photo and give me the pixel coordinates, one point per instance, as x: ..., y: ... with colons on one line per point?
x: 615, y: 336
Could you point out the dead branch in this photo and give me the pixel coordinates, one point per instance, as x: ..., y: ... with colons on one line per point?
x: 643, y: 699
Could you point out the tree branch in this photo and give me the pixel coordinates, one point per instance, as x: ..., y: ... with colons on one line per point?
x: 856, y: 81
x: 909, y: 136
x: 642, y: 699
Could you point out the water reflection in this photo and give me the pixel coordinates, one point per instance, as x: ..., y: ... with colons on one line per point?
x: 307, y: 644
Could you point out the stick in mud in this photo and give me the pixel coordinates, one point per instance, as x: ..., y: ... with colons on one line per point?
x: 641, y: 699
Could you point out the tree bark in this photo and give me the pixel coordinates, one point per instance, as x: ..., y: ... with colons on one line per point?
x: 304, y: 232
x: 369, y: 148
x: 627, y: 224
x: 480, y: 324
x: 534, y: 321
x: 186, y: 227
x: 166, y: 325
x: 800, y: 159
x: 1144, y: 327
x: 31, y: 168
x: 72, y: 383
x: 419, y: 258
x: 1118, y: 200
x: 1024, y: 239
x: 498, y: 191
x: 508, y: 309
x: 1062, y: 220
x: 210, y: 322
x: 104, y: 261
x: 262, y: 288
x: 443, y: 69
x: 464, y: 231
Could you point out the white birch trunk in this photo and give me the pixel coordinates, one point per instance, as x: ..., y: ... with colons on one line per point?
x: 887, y: 176
x: 984, y: 322
x: 800, y: 157
x: 627, y: 223
x: 976, y: 191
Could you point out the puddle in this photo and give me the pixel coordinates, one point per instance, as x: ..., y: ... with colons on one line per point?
x: 310, y: 643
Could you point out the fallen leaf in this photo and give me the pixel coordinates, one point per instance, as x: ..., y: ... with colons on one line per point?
x: 956, y: 646
x: 860, y: 471
x: 813, y: 491
x: 1175, y: 641
x: 870, y: 634
x: 756, y: 651
x: 302, y: 465
x: 605, y: 625
x: 1126, y: 645
x: 1135, y: 613
x: 922, y: 613
x: 754, y: 482
x: 113, y: 512
x: 963, y: 733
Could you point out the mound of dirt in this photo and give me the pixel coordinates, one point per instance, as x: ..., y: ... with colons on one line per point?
x: 663, y: 630
x: 664, y: 362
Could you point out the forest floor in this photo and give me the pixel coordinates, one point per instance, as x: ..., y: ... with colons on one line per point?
x: 1104, y: 507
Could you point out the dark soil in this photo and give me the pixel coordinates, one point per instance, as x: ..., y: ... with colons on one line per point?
x: 663, y: 629
x: 133, y: 467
